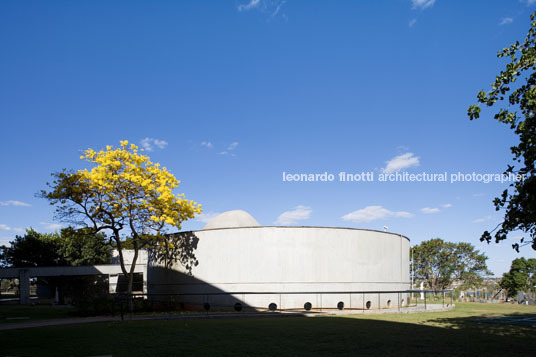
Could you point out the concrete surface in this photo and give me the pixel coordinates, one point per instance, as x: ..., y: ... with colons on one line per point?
x: 292, y: 259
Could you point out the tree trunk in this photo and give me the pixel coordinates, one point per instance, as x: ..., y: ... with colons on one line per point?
x: 129, y: 274
x: 131, y: 278
x: 130, y: 283
x: 132, y: 268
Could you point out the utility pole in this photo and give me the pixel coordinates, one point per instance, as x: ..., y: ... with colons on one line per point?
x: 412, y: 269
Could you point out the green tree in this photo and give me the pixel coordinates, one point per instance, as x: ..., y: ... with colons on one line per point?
x: 521, y: 277
x: 31, y: 250
x: 125, y: 195
x: 438, y: 264
x: 84, y: 247
x: 518, y: 111
x: 70, y: 247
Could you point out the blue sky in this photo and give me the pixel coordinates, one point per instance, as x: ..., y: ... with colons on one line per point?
x: 230, y: 94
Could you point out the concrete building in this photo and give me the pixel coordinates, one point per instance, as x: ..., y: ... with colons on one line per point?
x: 241, y: 262
x: 290, y: 266
x: 25, y: 274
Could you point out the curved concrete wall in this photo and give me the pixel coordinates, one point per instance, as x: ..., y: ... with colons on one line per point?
x: 294, y: 259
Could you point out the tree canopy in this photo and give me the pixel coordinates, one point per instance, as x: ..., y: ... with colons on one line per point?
x: 438, y: 264
x: 518, y: 111
x: 69, y: 247
x: 84, y: 247
x: 125, y: 195
x: 520, y: 277
x: 32, y: 249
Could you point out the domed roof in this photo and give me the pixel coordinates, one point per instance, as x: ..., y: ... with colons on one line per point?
x: 232, y: 219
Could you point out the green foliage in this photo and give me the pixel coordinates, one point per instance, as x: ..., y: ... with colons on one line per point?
x: 470, y: 265
x: 521, y: 277
x: 438, y: 264
x: 70, y: 247
x: 518, y: 201
x: 83, y: 247
x: 33, y: 313
x: 96, y: 306
x: 32, y: 249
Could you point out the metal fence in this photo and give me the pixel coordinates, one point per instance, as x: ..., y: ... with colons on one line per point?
x: 236, y: 301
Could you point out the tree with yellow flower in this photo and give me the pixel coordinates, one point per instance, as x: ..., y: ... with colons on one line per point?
x: 125, y: 195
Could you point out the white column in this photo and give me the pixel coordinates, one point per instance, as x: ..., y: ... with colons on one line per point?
x: 112, y: 283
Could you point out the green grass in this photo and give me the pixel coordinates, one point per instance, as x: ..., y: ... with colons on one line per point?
x: 463, y: 310
x: 21, y: 313
x: 444, y: 333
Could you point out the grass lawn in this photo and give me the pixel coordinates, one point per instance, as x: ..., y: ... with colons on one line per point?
x: 19, y: 313
x: 445, y: 333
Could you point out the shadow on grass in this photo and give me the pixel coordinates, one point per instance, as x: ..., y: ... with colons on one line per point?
x: 296, y: 336
x: 20, y: 313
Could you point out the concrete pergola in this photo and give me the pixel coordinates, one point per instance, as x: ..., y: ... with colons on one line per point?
x: 25, y: 274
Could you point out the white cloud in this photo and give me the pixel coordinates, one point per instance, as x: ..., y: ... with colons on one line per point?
x: 372, y: 213
x: 4, y: 227
x: 506, y: 20
x: 483, y: 219
x: 272, y: 8
x: 207, y: 144
x: 401, y: 162
x: 299, y: 213
x: 205, y: 217
x: 528, y: 2
x: 278, y: 6
x: 14, y: 203
x: 412, y: 22
x: 251, y: 5
x: 51, y: 226
x: 230, y: 148
x: 149, y: 143
x: 423, y: 4
x: 429, y: 210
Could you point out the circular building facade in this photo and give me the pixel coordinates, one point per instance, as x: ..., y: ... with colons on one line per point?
x: 291, y: 267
